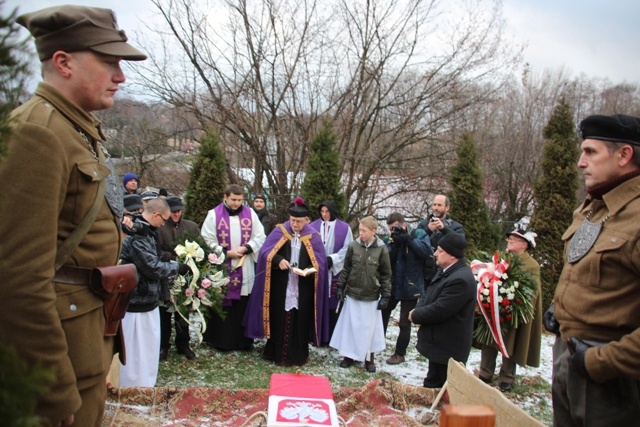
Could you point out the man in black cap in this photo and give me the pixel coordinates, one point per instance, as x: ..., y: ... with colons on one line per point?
x: 596, y: 374
x: 175, y: 228
x: 267, y: 219
x: 445, y: 311
x: 55, y: 319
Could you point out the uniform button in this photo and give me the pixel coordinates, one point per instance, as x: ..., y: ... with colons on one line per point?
x: 95, y: 173
x: 73, y: 307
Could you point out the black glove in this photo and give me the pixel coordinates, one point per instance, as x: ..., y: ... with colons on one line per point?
x: 383, y: 303
x: 578, y: 348
x: 329, y: 262
x: 401, y: 238
x: 550, y: 322
x: 166, y: 256
x: 340, y: 294
x: 183, y: 269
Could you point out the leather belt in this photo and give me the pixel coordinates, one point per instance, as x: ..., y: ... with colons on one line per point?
x: 73, y: 275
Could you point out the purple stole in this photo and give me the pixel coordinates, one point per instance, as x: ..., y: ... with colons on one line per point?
x: 339, y: 234
x: 223, y: 234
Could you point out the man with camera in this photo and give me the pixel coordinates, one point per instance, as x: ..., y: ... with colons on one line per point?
x: 438, y: 225
x: 141, y: 324
x: 408, y: 250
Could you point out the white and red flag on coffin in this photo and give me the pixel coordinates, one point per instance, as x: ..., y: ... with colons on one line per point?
x: 296, y: 399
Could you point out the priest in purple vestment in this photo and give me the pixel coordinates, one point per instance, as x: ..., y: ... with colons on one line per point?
x: 286, y: 307
x: 238, y: 230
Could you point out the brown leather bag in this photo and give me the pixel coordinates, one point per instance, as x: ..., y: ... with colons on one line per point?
x: 114, y: 284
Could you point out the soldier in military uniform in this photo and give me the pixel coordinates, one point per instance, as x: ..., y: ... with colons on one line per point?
x: 49, y: 316
x: 596, y: 374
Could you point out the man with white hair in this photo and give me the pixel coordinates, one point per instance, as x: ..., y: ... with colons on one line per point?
x: 523, y: 342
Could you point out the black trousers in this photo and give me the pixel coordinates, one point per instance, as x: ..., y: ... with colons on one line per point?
x: 404, y: 336
x: 182, y: 329
x: 436, y: 375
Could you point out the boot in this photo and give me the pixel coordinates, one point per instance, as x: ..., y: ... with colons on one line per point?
x: 370, y: 365
x: 346, y: 362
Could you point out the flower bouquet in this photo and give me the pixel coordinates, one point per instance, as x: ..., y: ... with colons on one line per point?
x: 505, y: 298
x: 204, y: 287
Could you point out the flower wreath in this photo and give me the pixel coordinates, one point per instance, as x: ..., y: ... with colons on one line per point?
x: 203, y: 288
x: 505, y: 298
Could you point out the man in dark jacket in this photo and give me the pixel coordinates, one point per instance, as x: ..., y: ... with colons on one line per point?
x: 445, y: 311
x: 141, y: 324
x: 267, y: 219
x: 437, y: 225
x: 175, y: 228
x: 408, y: 250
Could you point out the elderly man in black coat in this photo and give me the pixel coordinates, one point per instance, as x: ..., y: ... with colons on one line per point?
x: 445, y: 311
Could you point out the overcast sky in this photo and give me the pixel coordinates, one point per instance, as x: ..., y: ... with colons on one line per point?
x: 595, y: 37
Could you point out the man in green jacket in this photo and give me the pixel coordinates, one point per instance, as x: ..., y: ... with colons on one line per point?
x: 523, y: 342
x: 55, y: 165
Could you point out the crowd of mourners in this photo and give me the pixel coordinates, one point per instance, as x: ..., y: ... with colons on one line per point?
x: 302, y: 282
x: 294, y: 283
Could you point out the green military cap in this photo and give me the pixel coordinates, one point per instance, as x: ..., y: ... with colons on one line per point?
x: 74, y: 28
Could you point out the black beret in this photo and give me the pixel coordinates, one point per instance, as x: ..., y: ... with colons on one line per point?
x: 73, y: 28
x: 615, y: 128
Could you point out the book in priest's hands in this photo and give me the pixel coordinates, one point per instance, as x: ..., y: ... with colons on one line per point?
x: 307, y: 271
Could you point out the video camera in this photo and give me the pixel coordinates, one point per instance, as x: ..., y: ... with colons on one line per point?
x: 397, y: 229
x: 137, y: 228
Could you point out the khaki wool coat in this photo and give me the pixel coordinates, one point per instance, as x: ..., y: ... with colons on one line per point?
x: 49, y: 180
x: 523, y: 343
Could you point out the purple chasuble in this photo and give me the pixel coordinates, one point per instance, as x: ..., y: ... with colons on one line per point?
x: 256, y: 318
x: 223, y: 234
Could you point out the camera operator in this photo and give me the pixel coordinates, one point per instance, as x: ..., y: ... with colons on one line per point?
x: 408, y: 250
x: 437, y: 225
x: 132, y: 206
x: 141, y: 324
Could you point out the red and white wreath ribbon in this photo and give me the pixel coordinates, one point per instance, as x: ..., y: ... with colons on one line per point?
x: 489, y: 276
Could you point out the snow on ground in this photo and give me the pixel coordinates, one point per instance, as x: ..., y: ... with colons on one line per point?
x: 414, y: 369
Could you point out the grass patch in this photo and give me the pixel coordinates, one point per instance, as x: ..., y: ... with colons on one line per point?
x: 247, y: 370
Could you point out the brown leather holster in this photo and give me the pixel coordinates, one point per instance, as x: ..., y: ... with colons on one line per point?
x: 113, y: 284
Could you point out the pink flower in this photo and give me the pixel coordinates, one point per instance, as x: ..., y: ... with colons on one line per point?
x: 188, y: 292
x: 202, y: 293
x: 212, y: 258
x: 205, y: 283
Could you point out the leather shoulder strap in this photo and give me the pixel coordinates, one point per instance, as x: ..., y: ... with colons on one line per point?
x: 71, y: 243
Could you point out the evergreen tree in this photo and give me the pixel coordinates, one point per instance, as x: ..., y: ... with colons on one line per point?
x: 19, y: 387
x: 322, y: 180
x: 207, y: 181
x: 14, y: 72
x: 467, y: 200
x: 555, y: 195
